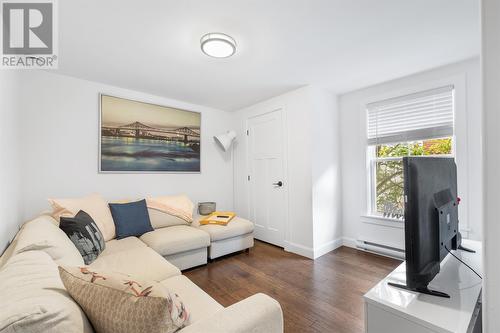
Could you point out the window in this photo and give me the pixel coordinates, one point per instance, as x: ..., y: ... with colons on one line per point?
x: 419, y: 124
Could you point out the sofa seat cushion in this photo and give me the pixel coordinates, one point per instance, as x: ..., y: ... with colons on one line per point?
x: 176, y: 239
x: 237, y: 227
x: 198, y: 302
x: 124, y: 244
x: 33, y: 297
x: 144, y: 263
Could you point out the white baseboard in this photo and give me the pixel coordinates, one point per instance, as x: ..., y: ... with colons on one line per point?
x: 349, y: 242
x: 328, y: 247
x: 299, y: 249
x: 313, y: 253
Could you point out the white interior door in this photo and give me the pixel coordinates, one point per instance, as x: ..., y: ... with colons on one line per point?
x: 267, y: 187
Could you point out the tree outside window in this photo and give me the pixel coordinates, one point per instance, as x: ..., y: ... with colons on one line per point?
x: 388, y: 171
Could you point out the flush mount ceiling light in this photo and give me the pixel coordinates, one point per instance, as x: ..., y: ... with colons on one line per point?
x: 218, y: 45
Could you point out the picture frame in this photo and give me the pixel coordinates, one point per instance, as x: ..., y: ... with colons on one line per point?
x: 143, y: 137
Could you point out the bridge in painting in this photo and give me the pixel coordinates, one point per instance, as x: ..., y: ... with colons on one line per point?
x: 139, y: 130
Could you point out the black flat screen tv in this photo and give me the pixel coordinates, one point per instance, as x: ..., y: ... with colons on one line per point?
x: 431, y: 218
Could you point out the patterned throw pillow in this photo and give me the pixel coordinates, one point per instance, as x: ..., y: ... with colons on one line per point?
x: 84, y: 233
x: 116, y: 302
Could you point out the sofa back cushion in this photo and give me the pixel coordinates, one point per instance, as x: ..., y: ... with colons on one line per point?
x: 42, y: 234
x: 93, y: 204
x: 8, y: 253
x: 33, y: 297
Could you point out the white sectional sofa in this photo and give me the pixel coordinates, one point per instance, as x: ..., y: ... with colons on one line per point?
x: 29, y: 265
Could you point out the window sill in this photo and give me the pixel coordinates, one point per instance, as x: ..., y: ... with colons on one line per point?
x: 383, y: 221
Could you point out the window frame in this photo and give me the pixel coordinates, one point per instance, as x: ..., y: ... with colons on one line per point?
x: 459, y: 149
x: 460, y: 80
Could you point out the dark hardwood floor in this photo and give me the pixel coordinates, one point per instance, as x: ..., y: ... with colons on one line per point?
x: 324, y: 295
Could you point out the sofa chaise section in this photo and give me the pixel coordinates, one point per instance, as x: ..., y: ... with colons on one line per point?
x: 199, y: 304
x: 257, y: 314
x: 236, y: 236
x: 182, y: 245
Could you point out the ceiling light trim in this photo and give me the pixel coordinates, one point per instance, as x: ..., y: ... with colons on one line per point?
x: 218, y: 37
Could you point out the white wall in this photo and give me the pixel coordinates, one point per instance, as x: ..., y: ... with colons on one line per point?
x: 10, y: 201
x: 466, y: 77
x: 59, y: 147
x: 491, y: 95
x: 325, y: 147
x: 312, y: 164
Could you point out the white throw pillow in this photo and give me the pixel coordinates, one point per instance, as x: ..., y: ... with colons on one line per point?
x: 94, y: 205
x: 33, y: 297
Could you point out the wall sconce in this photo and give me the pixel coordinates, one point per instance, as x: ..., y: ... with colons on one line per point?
x: 225, y: 140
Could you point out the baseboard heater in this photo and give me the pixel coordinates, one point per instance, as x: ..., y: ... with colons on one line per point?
x: 380, y: 249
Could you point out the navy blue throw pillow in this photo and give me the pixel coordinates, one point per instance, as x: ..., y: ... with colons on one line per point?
x: 131, y: 219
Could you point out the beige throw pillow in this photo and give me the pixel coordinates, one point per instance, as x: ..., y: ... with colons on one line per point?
x: 94, y: 205
x: 118, y: 303
x: 161, y: 219
x: 176, y: 205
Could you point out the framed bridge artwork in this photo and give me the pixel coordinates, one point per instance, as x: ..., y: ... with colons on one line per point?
x: 143, y: 137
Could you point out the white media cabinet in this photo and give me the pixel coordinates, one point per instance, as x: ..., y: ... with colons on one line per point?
x: 392, y: 310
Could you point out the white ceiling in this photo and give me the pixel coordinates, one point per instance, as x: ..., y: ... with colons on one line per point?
x: 342, y: 45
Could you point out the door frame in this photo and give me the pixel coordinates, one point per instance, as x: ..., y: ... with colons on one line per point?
x: 284, y: 133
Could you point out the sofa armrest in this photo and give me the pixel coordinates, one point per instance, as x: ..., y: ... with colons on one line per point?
x: 256, y: 314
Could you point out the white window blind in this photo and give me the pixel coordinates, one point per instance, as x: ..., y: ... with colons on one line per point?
x: 424, y: 115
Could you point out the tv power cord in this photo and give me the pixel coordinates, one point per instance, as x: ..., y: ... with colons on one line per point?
x: 472, y: 269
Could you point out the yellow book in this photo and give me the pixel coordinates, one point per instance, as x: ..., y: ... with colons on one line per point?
x: 220, y: 218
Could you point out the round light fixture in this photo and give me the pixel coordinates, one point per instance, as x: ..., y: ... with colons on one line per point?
x: 218, y: 45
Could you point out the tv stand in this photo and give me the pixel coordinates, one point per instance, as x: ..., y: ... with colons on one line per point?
x: 460, y: 247
x: 395, y: 310
x: 459, y: 243
x: 426, y: 291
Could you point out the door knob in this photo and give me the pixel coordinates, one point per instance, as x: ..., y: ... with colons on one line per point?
x: 279, y: 184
